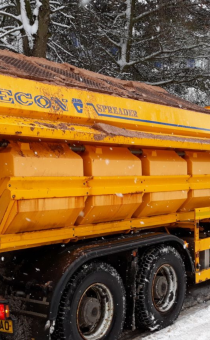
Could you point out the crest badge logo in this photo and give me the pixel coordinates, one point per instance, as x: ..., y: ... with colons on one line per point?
x: 78, y: 104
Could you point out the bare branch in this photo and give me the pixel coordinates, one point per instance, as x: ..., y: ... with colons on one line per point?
x: 56, y: 52
x: 17, y: 18
x: 158, y: 8
x: 61, y: 48
x: 60, y: 25
x: 11, y: 31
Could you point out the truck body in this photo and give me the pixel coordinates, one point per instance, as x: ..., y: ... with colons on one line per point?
x: 105, y: 186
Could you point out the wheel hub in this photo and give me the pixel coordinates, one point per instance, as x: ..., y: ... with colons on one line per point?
x: 90, y: 312
x: 161, y: 287
x: 95, y: 312
x: 164, y: 288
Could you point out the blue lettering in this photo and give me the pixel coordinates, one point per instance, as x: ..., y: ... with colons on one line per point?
x: 19, y: 98
x: 4, y: 96
x: 78, y: 104
x: 59, y: 104
x: 42, y: 102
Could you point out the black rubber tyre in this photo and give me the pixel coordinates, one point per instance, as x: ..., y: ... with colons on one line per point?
x: 68, y: 321
x: 157, y: 306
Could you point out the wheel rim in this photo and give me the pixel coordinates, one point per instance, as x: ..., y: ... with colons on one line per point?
x: 164, y: 288
x: 95, y: 312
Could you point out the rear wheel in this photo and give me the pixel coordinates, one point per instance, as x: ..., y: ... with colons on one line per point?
x: 161, y: 288
x: 93, y: 305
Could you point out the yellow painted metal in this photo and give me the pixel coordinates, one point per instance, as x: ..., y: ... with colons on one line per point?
x: 110, y: 161
x: 161, y: 202
x: 27, y: 188
x: 34, y: 187
x: 197, y: 163
x: 202, y: 275
x: 202, y: 213
x: 21, y: 214
x: 133, y: 184
x: 106, y: 189
x: 27, y: 119
x: 202, y: 244
x: 109, y: 208
x: 162, y: 163
x: 115, y: 162
x: 38, y: 214
x: 47, y: 130
x: 97, y: 107
x: 10, y: 242
x: 39, y: 159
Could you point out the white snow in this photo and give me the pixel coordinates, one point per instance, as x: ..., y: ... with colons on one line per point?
x: 119, y: 194
x: 192, y: 324
x: 84, y: 2
x: 30, y: 30
x: 81, y: 214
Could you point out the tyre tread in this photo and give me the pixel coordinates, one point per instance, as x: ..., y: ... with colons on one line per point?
x: 147, y: 261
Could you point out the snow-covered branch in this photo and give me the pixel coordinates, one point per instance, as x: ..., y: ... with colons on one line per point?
x: 60, y: 47
x: 11, y: 31
x: 158, y: 8
x: 59, y: 24
x: 10, y: 15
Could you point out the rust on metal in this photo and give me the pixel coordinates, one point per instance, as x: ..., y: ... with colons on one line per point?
x: 38, y: 69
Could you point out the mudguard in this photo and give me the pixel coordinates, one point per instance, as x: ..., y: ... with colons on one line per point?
x: 40, y: 275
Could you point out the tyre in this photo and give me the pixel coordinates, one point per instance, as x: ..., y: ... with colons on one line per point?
x: 161, y: 287
x: 93, y: 305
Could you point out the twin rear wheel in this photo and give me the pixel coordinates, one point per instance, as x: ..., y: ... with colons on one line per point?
x: 93, y: 304
x: 161, y: 286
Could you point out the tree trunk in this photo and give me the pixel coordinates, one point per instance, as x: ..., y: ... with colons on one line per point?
x: 40, y: 44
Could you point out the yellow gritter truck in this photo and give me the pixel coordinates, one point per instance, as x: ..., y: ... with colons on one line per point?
x: 104, y: 202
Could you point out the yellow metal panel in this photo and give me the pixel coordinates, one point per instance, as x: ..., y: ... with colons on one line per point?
x: 39, y: 159
x: 202, y: 213
x: 43, y: 214
x: 162, y: 163
x: 109, y: 208
x: 34, y: 239
x: 48, y: 130
x: 197, y: 199
x: 4, y: 202
x: 202, y: 244
x: 198, y: 162
x: 160, y: 203
x: 40, y: 187
x: 97, y: 107
x: 199, y: 182
x: 202, y: 276
x: 12, y: 214
x: 44, y: 187
x: 66, y: 186
x: 110, y: 161
x: 128, y: 184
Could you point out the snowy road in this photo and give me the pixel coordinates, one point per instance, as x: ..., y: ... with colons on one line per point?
x: 193, y: 324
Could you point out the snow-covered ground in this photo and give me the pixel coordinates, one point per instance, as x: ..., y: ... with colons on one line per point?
x: 192, y: 324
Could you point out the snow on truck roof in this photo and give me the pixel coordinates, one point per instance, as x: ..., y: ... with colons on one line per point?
x: 39, y: 69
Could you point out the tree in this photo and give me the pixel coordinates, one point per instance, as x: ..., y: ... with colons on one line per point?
x: 160, y: 42
x: 137, y: 33
x: 25, y: 25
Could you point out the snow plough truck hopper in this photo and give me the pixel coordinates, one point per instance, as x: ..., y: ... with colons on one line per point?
x: 104, y: 202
